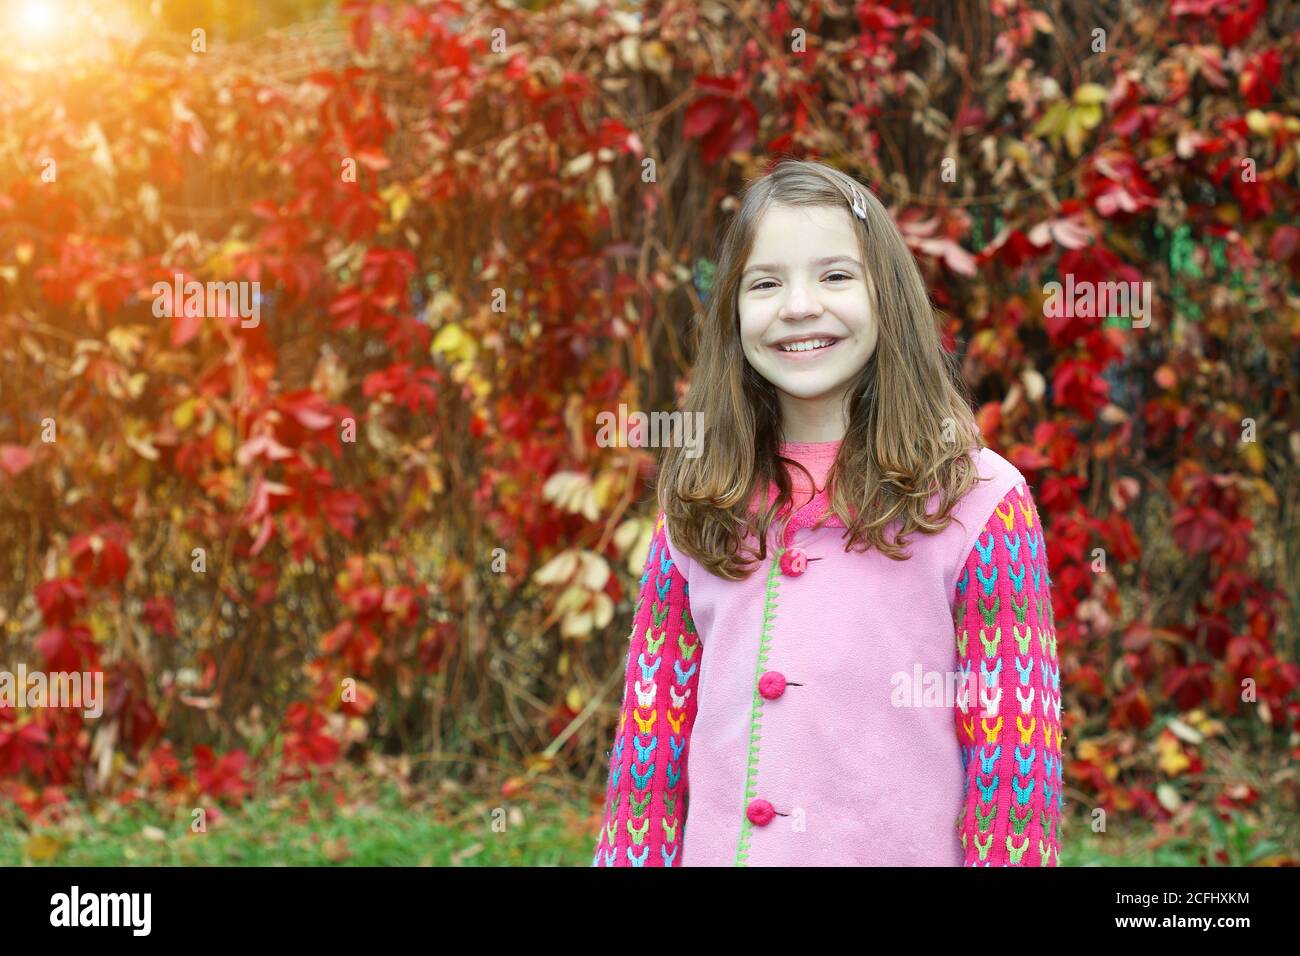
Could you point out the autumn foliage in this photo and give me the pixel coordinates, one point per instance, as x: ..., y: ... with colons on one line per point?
x: 378, y: 522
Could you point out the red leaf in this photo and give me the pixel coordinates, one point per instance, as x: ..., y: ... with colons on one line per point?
x: 60, y: 600
x: 184, y: 327
x: 372, y: 158
x: 361, y: 31
x: 224, y: 777
x: 1285, y: 242
x: 15, y: 458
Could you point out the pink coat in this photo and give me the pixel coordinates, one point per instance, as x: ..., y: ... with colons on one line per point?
x: 846, y: 709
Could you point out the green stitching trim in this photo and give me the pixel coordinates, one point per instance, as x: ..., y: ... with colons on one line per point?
x: 756, y: 709
x: 1020, y: 607
x: 990, y: 614
x: 1017, y: 852
x: 1022, y: 643
x: 658, y: 615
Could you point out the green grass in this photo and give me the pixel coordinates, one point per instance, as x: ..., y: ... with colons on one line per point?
x: 1238, y: 843
x: 281, y: 832
x: 455, y: 829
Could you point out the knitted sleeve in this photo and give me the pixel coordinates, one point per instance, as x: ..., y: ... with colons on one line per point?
x: 645, y: 800
x: 1009, y: 699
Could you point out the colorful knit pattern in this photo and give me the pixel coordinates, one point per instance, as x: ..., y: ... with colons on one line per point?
x: 1009, y: 693
x: 645, y: 801
x: 1008, y: 713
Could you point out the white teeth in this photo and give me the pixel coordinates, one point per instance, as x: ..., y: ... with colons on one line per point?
x: 807, y: 346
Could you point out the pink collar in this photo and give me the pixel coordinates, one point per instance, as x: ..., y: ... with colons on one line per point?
x: 808, y: 515
x: 817, y: 457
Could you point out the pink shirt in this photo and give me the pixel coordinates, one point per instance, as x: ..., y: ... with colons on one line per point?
x: 846, y: 709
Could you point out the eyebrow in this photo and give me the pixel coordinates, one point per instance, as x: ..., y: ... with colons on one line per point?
x: 768, y: 267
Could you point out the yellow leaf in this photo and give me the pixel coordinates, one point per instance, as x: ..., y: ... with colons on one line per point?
x: 605, y: 487
x: 573, y: 699
x: 1074, y: 133
x: 183, y: 414
x: 451, y: 340
x: 1266, y: 493
x: 223, y: 440
x: 398, y: 199
x: 539, y: 763
x: 1258, y: 122
x: 41, y: 847
x: 223, y: 260
x: 1089, y: 116
x: 1255, y: 458
x: 1018, y: 152
x: 985, y: 341
x: 656, y: 57
x: 1052, y: 123
x: 1091, y: 93
x: 1172, y: 759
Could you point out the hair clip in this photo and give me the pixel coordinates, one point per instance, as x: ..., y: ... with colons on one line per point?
x: 859, y: 204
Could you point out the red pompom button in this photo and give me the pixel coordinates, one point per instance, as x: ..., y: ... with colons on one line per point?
x: 772, y: 685
x: 794, y: 562
x: 760, y: 812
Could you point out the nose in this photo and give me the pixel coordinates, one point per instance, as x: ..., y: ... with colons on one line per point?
x: 799, y: 304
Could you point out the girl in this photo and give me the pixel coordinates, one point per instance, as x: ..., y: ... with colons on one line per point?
x: 883, y: 694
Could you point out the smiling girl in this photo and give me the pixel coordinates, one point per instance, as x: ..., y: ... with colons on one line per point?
x: 845, y: 623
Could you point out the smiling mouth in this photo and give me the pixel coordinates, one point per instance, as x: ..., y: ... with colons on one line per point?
x: 808, y: 345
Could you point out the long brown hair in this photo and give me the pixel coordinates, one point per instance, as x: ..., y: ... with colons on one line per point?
x: 911, y: 432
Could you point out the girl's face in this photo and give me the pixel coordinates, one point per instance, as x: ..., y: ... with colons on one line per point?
x: 806, y: 321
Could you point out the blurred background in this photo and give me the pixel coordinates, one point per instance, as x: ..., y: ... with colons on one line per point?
x: 359, y: 576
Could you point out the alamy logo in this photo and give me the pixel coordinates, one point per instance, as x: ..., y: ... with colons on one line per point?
x: 656, y: 430
x: 209, y: 300
x: 1098, y: 300
x: 103, y: 909
x: 966, y: 688
x: 28, y: 689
